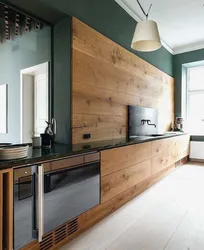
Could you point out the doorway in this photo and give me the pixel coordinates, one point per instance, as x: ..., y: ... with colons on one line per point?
x: 34, y: 101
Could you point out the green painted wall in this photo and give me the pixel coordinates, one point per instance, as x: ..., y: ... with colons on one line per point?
x: 62, y: 79
x: 108, y: 18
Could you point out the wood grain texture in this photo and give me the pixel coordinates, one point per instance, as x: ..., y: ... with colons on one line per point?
x: 168, y: 151
x: 22, y: 172
x: 117, y: 159
x: 161, y: 162
x: 92, y: 157
x: 65, y: 163
x: 120, y: 181
x: 99, y: 126
x: 34, y: 245
x: 91, y: 71
x: 124, y: 167
x: 89, y: 41
x: 8, y: 209
x: 105, y: 79
x: 177, y: 145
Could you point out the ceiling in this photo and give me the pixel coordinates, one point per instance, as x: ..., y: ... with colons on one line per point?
x: 181, y: 22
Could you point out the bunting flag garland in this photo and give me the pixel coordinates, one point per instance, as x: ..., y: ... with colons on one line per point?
x: 6, y: 20
x: 14, y: 23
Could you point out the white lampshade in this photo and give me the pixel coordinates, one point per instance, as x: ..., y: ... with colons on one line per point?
x: 146, y: 36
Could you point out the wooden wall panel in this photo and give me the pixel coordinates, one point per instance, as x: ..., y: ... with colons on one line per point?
x: 90, y: 42
x: 99, y: 126
x: 117, y: 159
x: 90, y: 70
x: 106, y: 95
x: 105, y: 79
x: 92, y: 106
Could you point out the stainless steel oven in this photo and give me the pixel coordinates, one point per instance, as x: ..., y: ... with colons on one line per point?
x: 45, y: 199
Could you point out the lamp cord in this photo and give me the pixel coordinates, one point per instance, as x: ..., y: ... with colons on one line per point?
x: 146, y: 14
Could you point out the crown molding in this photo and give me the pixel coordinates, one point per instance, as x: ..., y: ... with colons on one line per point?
x: 137, y: 18
x: 189, y: 48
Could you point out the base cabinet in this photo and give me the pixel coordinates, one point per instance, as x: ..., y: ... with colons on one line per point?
x: 126, y: 172
x: 125, y: 167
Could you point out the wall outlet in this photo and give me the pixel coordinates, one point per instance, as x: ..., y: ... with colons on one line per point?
x: 86, y: 136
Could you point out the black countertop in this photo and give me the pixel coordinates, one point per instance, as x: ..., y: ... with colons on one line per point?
x: 62, y: 150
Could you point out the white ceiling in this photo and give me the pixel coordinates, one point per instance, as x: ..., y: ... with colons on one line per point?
x: 181, y: 22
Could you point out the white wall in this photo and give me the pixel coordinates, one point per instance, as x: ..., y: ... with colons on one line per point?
x: 197, y: 150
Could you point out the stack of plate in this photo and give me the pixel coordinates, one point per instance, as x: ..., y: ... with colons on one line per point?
x: 13, y: 152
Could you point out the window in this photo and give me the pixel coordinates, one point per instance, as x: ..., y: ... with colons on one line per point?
x: 195, y: 101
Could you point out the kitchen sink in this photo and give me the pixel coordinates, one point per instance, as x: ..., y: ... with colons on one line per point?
x: 140, y: 138
x: 5, y: 144
x: 155, y: 135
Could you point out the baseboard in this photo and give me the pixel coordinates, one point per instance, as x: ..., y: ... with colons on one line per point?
x: 196, y: 160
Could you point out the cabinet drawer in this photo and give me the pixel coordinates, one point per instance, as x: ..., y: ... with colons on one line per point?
x: 21, y: 172
x: 67, y: 163
x: 91, y: 157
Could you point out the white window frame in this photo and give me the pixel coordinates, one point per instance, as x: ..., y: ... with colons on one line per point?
x: 190, y: 92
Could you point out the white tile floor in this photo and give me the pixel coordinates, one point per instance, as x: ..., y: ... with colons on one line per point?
x: 169, y: 216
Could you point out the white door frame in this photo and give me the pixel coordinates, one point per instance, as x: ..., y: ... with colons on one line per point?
x: 30, y: 71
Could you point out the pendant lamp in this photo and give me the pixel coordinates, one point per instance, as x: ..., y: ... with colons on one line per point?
x: 146, y: 37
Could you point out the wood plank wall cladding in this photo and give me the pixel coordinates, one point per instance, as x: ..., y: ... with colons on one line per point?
x: 105, y: 79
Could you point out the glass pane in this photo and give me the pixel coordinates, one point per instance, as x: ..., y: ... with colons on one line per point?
x: 196, y: 78
x: 196, y: 114
x: 69, y: 193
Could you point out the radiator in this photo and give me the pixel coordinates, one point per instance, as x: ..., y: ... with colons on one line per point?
x: 197, y: 150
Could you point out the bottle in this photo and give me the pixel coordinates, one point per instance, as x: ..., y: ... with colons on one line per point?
x: 48, y: 129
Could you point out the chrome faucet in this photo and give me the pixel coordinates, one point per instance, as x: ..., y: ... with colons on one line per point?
x: 151, y: 124
x: 148, y: 123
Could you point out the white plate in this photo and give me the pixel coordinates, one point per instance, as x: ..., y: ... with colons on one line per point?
x: 13, y: 153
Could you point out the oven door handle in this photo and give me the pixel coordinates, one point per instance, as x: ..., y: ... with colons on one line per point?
x: 40, y: 202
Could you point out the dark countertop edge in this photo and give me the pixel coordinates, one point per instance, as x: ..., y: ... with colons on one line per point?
x: 56, y: 156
